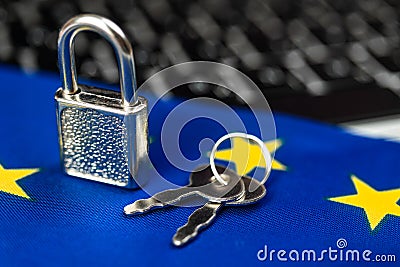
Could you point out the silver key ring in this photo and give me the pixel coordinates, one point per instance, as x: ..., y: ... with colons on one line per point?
x: 264, y: 150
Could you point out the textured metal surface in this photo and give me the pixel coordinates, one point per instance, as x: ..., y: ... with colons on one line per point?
x: 95, y: 144
x: 102, y: 134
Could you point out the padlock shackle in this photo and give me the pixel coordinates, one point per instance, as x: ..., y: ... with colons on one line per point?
x: 118, y: 40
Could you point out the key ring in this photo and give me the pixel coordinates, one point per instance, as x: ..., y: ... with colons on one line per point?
x: 264, y: 150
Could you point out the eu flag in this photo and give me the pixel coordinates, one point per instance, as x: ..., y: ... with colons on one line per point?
x: 333, y: 198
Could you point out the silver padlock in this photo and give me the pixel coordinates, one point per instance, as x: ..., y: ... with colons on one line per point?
x: 102, y: 133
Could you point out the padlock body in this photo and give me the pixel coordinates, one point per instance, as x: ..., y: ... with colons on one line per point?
x: 99, y: 138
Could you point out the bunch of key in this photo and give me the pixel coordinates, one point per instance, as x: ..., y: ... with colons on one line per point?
x: 237, y: 191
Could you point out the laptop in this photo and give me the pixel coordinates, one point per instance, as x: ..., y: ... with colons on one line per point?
x: 333, y: 61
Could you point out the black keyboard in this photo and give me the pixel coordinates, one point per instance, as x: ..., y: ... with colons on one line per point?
x: 333, y: 60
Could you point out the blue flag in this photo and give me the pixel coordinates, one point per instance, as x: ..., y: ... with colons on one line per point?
x: 332, y: 197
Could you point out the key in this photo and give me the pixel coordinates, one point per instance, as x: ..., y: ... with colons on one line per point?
x: 203, y: 216
x: 202, y: 183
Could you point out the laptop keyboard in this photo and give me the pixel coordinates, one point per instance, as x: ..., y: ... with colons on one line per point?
x: 330, y: 60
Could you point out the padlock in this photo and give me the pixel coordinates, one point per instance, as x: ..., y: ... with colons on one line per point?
x: 102, y: 133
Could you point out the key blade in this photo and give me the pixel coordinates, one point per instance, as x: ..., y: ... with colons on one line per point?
x: 199, y: 219
x: 161, y: 199
x: 142, y: 205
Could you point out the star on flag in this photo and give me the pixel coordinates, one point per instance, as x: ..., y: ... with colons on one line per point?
x: 376, y: 204
x: 9, y: 178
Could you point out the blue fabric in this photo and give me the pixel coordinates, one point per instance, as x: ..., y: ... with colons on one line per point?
x: 70, y: 221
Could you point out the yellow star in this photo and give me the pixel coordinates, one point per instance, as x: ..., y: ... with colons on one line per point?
x: 247, y: 156
x: 9, y: 178
x: 376, y: 204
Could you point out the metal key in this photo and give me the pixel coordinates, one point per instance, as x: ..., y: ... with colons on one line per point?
x: 202, y: 183
x: 203, y: 216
